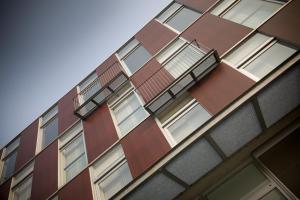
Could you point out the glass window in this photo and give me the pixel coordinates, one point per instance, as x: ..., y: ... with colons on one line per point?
x: 269, y: 60
x: 23, y: 190
x: 8, y: 166
x: 248, y: 183
x: 222, y: 6
x: 88, y: 87
x: 111, y: 173
x: 178, y: 17
x: 179, y: 56
x: 128, y: 112
x: 133, y: 56
x: 182, y: 117
x: 73, y: 154
x: 250, y: 13
x: 9, y: 155
x: 21, y: 184
x: 48, y: 127
x: 246, y: 49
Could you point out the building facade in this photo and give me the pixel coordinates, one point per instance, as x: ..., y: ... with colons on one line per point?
x: 201, y: 103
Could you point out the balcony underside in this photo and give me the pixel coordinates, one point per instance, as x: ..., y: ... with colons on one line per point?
x: 99, y: 97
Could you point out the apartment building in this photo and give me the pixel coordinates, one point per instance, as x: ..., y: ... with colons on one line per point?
x: 201, y: 103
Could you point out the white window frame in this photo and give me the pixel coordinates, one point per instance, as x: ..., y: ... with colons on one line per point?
x: 252, y: 56
x: 42, y: 124
x: 6, y: 153
x: 25, y: 174
x: 172, y: 119
x: 121, y: 58
x: 62, y: 145
x: 234, y: 3
x: 97, y: 178
x: 126, y: 94
x: 174, y: 14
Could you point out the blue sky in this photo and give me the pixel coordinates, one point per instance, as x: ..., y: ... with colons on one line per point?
x: 47, y: 47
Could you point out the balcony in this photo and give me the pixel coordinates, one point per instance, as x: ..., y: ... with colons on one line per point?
x: 96, y: 93
x: 181, y: 70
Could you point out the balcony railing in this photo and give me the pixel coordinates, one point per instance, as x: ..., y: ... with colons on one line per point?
x: 180, y: 71
x: 99, y: 90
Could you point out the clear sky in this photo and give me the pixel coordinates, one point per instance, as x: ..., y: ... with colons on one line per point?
x: 47, y: 47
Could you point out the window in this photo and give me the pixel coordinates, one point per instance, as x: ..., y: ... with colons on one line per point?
x: 127, y: 110
x: 133, y: 56
x: 250, y: 13
x: 178, y: 17
x: 181, y: 118
x: 248, y: 183
x: 48, y: 128
x: 21, y: 184
x: 179, y: 56
x: 72, y: 153
x: 110, y: 173
x: 259, y: 55
x: 8, y: 160
x: 88, y: 87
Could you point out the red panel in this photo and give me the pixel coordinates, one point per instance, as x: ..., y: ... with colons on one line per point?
x: 223, y: 85
x: 114, y: 70
x: 285, y: 24
x: 200, y: 5
x: 79, y: 188
x: 4, y: 190
x: 106, y: 64
x: 99, y: 131
x: 155, y: 84
x: 216, y: 33
x: 26, y: 150
x: 45, y: 173
x: 144, y: 145
x: 66, y: 115
x: 154, y: 36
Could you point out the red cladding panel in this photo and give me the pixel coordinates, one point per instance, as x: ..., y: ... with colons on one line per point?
x: 45, y: 173
x: 218, y: 89
x: 285, y: 24
x: 199, y: 5
x: 144, y: 146
x: 4, y: 190
x: 216, y: 33
x: 79, y: 188
x: 66, y: 115
x: 99, y: 131
x: 154, y: 36
x: 106, y: 64
x: 26, y: 150
x: 114, y: 70
x: 155, y: 85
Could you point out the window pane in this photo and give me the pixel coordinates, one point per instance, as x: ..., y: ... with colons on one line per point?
x: 115, y: 181
x: 182, y: 19
x: 222, y: 6
x: 167, y: 52
x: 246, y: 49
x: 127, y: 48
x: 126, y: 107
x: 23, y: 191
x: 136, y: 59
x: 11, y: 147
x: 168, y: 12
x: 274, y: 195
x: 241, y: 185
x: 269, y: 60
x: 189, y: 122
x: 133, y: 120
x: 73, y: 151
x: 8, y: 166
x: 50, y: 131
x: 75, y: 168
x: 252, y: 12
x: 88, y: 81
x: 49, y: 114
x: 183, y: 61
